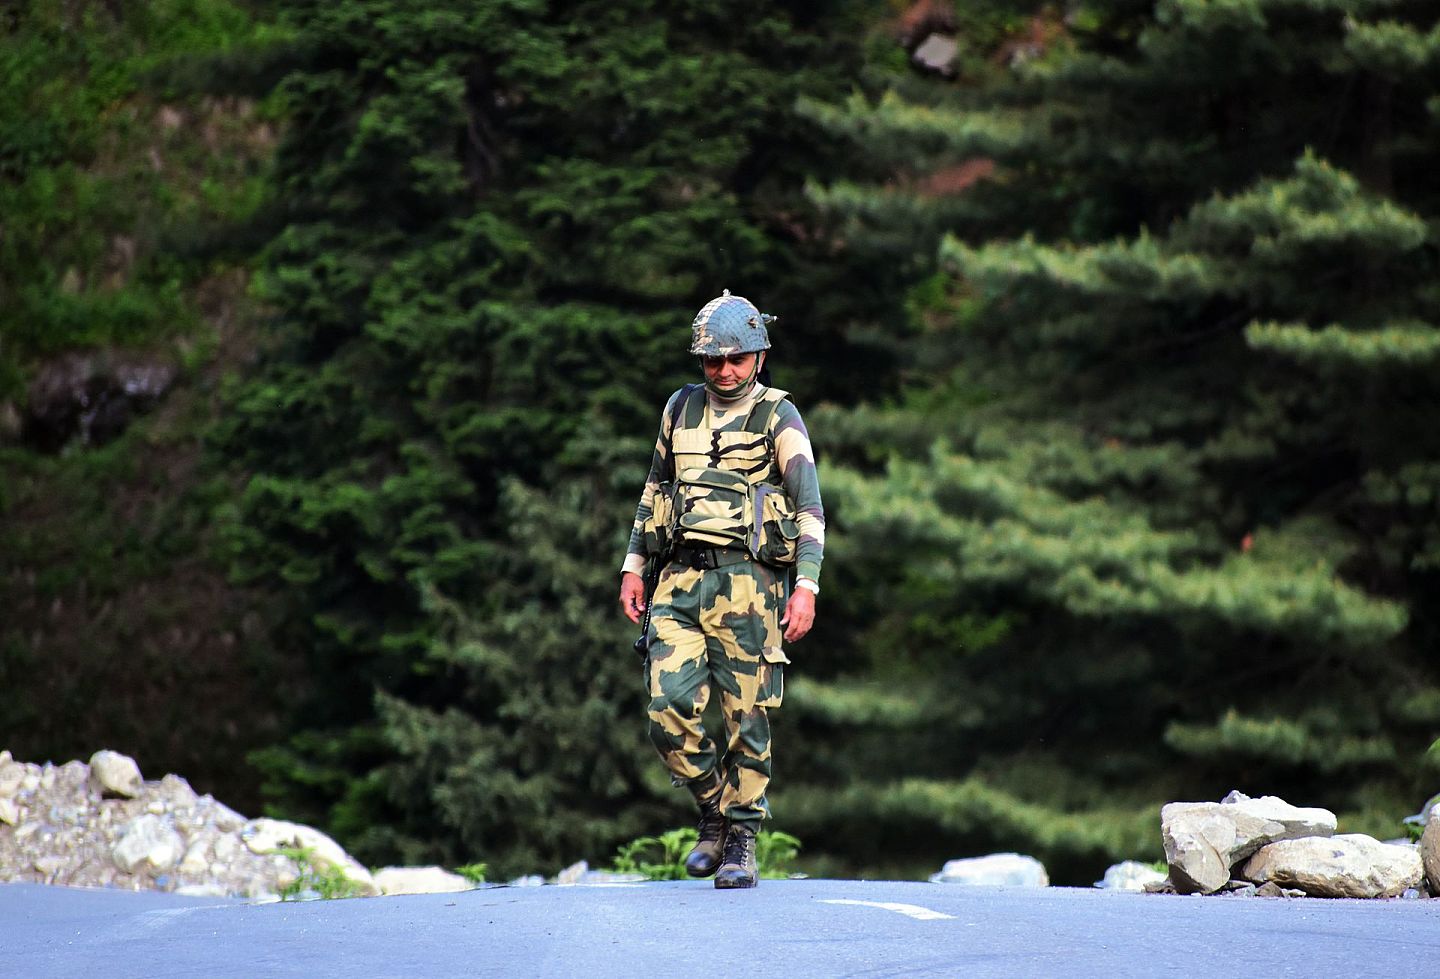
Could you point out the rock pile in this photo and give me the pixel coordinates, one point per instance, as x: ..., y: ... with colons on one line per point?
x: 1267, y: 846
x: 102, y: 825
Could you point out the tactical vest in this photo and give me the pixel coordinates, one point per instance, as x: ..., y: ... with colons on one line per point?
x: 724, y: 490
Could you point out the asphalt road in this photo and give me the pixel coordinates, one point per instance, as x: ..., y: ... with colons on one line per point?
x: 790, y: 929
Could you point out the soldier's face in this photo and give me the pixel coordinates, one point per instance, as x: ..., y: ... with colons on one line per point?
x: 728, y: 372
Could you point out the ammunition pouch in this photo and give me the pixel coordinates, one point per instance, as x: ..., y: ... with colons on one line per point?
x: 657, y: 533
x: 713, y: 508
x: 710, y: 509
x: 776, y: 538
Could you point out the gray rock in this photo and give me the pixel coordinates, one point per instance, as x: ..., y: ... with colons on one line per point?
x: 1348, y: 865
x: 1422, y: 818
x: 12, y: 773
x: 112, y: 773
x: 1430, y: 849
x: 936, y: 52
x: 1130, y: 875
x: 148, y: 845
x: 226, y: 847
x: 197, y: 859
x: 1272, y: 889
x: 1003, y: 869
x: 419, y: 880
x: 266, y: 836
x: 176, y: 793
x: 226, y: 820
x: 50, y: 865
x: 573, y: 874
x: 9, y: 811
x: 71, y: 780
x: 1205, y: 840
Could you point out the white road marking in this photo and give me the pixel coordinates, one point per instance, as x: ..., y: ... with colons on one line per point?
x: 909, y: 910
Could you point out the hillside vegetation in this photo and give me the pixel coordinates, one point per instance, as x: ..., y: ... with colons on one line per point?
x: 1114, y: 330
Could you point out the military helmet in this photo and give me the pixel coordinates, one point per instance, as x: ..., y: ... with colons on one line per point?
x: 729, y: 325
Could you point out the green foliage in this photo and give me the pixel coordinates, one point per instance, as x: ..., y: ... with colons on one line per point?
x: 500, y: 218
x: 775, y: 851
x: 1117, y: 344
x: 662, y: 857
x: 96, y: 171
x: 321, y: 880
x: 105, y: 574
x: 107, y: 586
x: 657, y: 857
x: 473, y: 872
x: 1165, y: 431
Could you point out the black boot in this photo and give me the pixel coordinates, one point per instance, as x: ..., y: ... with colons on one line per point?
x: 705, y: 857
x: 738, y: 869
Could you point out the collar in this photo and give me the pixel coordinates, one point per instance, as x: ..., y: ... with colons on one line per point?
x: 745, y: 401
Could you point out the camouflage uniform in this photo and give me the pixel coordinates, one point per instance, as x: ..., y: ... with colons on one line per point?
x: 720, y: 627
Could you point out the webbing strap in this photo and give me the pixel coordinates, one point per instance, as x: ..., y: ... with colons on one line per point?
x: 695, y: 406
x: 682, y: 406
x: 692, y: 407
x: 760, y: 415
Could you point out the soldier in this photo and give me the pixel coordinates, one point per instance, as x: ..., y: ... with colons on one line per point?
x: 730, y: 511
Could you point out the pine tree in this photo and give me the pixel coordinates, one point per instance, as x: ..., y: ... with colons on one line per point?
x: 500, y: 218
x: 1159, y: 519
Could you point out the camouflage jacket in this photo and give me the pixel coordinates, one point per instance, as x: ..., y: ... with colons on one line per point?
x: 794, y: 468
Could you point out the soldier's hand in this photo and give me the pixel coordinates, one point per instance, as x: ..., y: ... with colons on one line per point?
x: 799, y: 614
x: 632, y: 595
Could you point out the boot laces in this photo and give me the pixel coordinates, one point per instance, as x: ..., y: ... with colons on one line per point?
x: 739, y: 846
x: 712, y: 823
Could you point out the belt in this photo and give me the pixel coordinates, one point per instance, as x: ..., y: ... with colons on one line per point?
x: 708, y: 558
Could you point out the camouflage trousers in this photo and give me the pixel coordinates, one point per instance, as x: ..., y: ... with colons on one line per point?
x: 717, y: 629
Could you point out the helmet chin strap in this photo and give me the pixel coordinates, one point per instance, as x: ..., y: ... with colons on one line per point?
x: 738, y: 391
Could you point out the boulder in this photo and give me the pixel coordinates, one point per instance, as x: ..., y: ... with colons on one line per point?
x: 265, y: 836
x: 1430, y: 850
x: 1130, y: 875
x: 148, y: 845
x: 1348, y: 865
x: 114, y: 774
x: 1205, y: 840
x: 419, y: 880
x: 12, y: 773
x: 1007, y: 869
